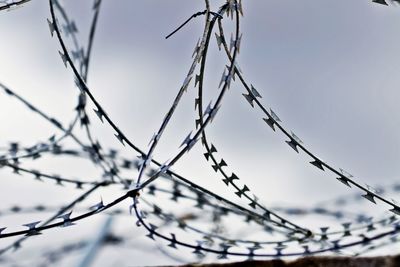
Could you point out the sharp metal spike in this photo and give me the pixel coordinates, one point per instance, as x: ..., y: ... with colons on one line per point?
x: 293, y: 144
x: 371, y: 227
x: 344, y: 180
x: 196, y: 49
x: 346, y: 229
x: 78, y: 54
x: 64, y: 58
x: 32, y: 228
x: 274, y: 116
x: 187, y: 140
x: 213, y: 113
x: 99, y: 112
x: 296, y: 138
x: 197, y: 80
x: 196, y: 103
x: 242, y: 191
x: 239, y: 7
x: 255, y: 92
x: 254, y: 202
x: 200, y: 200
x: 230, y: 179
x: 218, y: 166
x: 155, y: 137
x: 232, y: 43
x: 198, y: 123
x: 97, y: 206
x: 317, y: 163
x: 172, y: 243
x: 229, y: 78
x: 238, y: 42
x: 182, y: 224
x: 120, y: 138
x: 219, y: 41
x: 223, y: 79
x: 209, y: 109
x: 270, y: 122
x: 80, y: 85
x: 345, y: 173
x: 79, y: 185
x: 306, y: 250
x: 267, y: 216
x: 249, y: 98
x: 237, y: 68
x: 152, y: 231
x: 395, y: 210
x: 51, y: 27
x: 213, y: 149
x: 70, y: 28
x: 369, y: 196
x: 382, y: 2
x: 164, y: 167
x: 2, y: 229
x: 186, y: 82
x: 66, y: 219
x: 324, y: 235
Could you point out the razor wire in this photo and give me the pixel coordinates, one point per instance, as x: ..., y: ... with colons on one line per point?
x: 361, y: 232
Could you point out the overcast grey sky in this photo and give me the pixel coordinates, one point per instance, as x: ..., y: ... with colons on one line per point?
x: 329, y: 69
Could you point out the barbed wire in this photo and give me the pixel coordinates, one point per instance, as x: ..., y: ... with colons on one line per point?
x: 156, y: 188
x: 12, y: 4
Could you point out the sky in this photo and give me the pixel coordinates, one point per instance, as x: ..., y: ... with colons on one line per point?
x: 329, y: 69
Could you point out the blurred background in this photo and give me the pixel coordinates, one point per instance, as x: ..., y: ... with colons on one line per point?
x: 329, y: 69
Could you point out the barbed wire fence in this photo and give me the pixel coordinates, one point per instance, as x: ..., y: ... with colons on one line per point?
x: 156, y: 194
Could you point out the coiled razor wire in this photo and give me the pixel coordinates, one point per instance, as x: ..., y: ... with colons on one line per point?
x: 207, y: 228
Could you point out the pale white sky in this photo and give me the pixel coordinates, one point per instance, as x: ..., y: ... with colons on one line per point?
x: 329, y: 69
